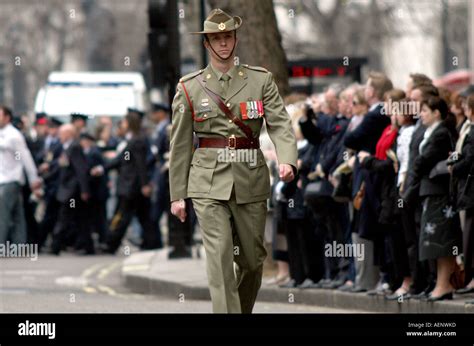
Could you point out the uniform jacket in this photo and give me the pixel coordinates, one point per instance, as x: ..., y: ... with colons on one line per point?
x: 201, y: 173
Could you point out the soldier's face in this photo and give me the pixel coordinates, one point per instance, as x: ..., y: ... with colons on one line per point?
x: 222, y: 43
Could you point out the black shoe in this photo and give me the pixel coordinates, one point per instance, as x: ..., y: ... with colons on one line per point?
x: 357, y: 290
x: 84, y: 252
x: 345, y: 288
x: 333, y: 284
x: 402, y: 297
x: 180, y: 253
x: 465, y: 290
x: 307, y: 283
x: 290, y: 284
x: 446, y: 296
x: 321, y: 282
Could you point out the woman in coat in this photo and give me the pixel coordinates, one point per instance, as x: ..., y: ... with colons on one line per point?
x: 460, y: 170
x: 440, y: 236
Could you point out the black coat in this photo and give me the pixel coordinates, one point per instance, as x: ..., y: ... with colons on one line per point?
x: 99, y: 190
x: 367, y: 134
x: 132, y: 166
x: 51, y: 177
x: 436, y: 149
x: 73, y: 174
x: 386, y: 190
x: 465, y: 165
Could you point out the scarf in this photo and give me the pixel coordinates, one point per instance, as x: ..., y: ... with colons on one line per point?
x: 385, y: 142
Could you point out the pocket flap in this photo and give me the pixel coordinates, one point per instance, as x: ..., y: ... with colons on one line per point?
x: 203, y: 116
x: 204, y: 160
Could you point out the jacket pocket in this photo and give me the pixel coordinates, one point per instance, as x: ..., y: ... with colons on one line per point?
x: 202, y: 121
x: 201, y: 173
x: 259, y: 176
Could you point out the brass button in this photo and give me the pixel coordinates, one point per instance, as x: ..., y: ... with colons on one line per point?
x: 208, y: 76
x: 228, y: 105
x: 241, y: 73
x: 230, y: 121
x: 205, y: 115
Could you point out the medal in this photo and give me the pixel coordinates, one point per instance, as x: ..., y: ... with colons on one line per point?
x: 243, y: 110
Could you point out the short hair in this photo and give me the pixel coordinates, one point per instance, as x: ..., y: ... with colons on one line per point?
x: 360, y: 96
x: 7, y: 111
x: 420, y: 79
x: 427, y: 90
x: 437, y: 103
x: 394, y: 95
x: 380, y: 82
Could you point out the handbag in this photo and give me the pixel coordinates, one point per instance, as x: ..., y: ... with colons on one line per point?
x: 457, y: 277
x: 440, y: 169
x: 359, y: 197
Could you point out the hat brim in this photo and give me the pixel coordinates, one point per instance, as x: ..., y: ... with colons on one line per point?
x: 238, y: 24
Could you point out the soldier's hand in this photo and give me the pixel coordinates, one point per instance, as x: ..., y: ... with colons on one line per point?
x: 178, y: 209
x: 286, y: 172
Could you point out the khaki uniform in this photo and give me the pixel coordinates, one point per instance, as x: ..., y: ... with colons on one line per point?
x: 229, y: 197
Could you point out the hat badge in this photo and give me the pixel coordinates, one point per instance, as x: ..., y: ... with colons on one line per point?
x: 221, y: 26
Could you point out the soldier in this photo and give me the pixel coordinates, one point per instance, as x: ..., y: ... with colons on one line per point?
x: 225, y: 105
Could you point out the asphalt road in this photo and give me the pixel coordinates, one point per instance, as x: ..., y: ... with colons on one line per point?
x: 72, y: 283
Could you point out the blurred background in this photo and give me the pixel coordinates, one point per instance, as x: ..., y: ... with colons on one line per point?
x: 306, y: 43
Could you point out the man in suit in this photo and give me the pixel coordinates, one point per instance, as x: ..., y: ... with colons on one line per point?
x: 73, y: 194
x: 364, y: 139
x: 98, y: 187
x: 49, y: 171
x: 229, y: 189
x: 133, y: 187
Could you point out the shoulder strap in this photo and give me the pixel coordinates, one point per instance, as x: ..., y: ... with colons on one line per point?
x: 218, y: 101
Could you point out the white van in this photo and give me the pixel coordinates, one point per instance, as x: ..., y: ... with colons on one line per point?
x: 92, y: 93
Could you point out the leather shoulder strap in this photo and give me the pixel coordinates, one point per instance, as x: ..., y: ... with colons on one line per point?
x: 218, y: 101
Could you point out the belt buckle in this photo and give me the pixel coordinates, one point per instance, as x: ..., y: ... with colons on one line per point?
x: 232, y: 142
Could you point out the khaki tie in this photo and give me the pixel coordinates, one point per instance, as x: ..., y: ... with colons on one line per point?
x: 225, y: 80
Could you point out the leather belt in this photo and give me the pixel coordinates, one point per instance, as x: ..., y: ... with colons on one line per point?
x: 232, y: 143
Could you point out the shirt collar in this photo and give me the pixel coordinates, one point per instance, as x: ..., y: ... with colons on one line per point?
x: 375, y: 105
x: 219, y: 74
x: 67, y: 144
x: 431, y: 128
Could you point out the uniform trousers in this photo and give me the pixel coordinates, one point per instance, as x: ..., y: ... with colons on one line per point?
x: 233, y: 233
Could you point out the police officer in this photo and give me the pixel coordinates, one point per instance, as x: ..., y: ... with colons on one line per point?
x: 226, y: 177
